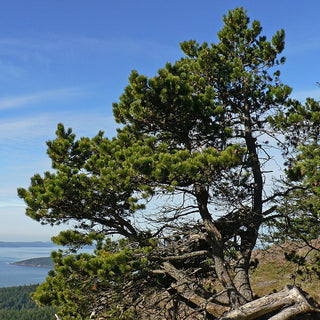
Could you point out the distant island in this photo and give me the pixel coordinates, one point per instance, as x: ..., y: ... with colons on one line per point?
x: 38, y: 244
x: 43, y: 262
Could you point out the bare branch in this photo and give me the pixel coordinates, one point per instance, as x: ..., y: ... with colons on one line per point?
x: 187, y: 255
x: 186, y: 288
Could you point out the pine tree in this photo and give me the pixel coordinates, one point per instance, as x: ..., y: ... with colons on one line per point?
x: 195, y: 138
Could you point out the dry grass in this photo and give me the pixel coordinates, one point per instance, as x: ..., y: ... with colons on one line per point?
x: 274, y: 271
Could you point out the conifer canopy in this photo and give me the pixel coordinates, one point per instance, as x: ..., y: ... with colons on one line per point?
x: 186, y: 185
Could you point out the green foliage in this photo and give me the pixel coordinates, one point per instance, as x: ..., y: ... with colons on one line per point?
x: 305, y: 268
x: 86, y: 187
x: 300, y: 207
x: 196, y: 138
x: 191, y: 102
x: 78, y: 282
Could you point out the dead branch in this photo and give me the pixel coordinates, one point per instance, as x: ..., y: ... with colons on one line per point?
x: 187, y: 255
x: 188, y: 290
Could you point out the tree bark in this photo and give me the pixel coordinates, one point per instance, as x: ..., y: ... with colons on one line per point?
x: 290, y: 301
x: 283, y: 305
x: 241, y: 278
x: 216, y: 241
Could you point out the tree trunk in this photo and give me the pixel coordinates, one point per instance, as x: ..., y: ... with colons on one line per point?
x: 241, y: 278
x: 283, y: 305
x: 290, y: 302
x: 216, y: 241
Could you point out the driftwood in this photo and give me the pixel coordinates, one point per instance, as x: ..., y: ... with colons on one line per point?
x: 282, y: 305
x: 285, y: 304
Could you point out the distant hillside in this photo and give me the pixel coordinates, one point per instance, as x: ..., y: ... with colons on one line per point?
x: 43, y: 262
x: 274, y: 271
x: 16, y: 304
x: 26, y: 244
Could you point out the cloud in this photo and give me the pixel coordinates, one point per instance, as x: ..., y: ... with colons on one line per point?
x: 23, y: 100
x: 24, y: 128
x: 10, y: 70
x: 23, y: 145
x: 43, y: 50
x: 12, y: 203
x: 26, y: 132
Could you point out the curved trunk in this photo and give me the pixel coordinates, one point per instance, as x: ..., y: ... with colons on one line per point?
x: 250, y: 234
x: 256, y: 169
x: 216, y: 241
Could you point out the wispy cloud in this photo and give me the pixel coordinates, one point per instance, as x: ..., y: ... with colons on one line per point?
x: 23, y: 100
x: 125, y: 46
x: 23, y: 145
x: 13, y: 203
x: 10, y: 70
x: 42, y: 50
x: 43, y: 126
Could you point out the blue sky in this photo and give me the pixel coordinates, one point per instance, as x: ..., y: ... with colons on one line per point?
x: 67, y: 61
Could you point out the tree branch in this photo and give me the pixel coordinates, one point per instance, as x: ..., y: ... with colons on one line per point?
x: 186, y: 288
x: 187, y: 256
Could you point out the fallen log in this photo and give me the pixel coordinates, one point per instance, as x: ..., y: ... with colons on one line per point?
x: 289, y: 302
x: 282, y: 305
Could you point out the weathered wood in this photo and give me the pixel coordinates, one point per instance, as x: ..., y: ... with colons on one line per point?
x: 186, y: 289
x: 215, y: 239
x: 290, y: 301
x: 185, y: 256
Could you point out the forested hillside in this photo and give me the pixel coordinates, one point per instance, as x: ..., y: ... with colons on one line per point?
x: 15, y: 303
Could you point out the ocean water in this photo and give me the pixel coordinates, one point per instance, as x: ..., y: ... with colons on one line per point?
x: 11, y: 275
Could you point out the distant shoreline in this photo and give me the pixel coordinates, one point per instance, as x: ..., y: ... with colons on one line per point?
x: 43, y: 262
x: 22, y: 244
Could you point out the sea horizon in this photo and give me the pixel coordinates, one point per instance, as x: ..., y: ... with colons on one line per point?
x: 15, y: 251
x: 13, y: 275
x: 36, y: 243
